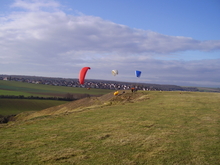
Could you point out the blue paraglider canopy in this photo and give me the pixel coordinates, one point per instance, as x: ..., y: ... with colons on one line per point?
x: 138, y: 73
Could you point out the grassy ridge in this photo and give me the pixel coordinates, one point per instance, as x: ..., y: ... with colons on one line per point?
x: 28, y: 89
x: 166, y: 128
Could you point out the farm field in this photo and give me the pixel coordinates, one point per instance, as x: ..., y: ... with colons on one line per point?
x: 14, y: 88
x: 28, y: 89
x: 149, y: 127
x: 16, y: 106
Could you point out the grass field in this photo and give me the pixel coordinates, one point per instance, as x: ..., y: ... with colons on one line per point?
x: 208, y: 89
x: 15, y: 106
x: 156, y: 128
x: 29, y: 89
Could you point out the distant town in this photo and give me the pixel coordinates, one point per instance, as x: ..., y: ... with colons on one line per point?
x: 100, y: 84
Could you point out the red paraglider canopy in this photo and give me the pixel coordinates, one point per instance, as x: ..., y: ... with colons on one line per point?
x: 82, y: 74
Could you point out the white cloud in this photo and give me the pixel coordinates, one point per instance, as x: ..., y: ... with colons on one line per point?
x: 47, y: 40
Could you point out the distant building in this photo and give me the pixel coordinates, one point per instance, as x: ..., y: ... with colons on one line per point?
x: 5, y: 78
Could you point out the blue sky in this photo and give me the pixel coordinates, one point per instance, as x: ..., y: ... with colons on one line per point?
x: 171, y: 41
x: 197, y: 18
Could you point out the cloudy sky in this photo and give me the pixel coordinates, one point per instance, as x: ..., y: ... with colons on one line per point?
x: 171, y: 41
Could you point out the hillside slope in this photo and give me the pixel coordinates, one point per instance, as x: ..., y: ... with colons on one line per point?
x: 84, y: 104
x: 148, y: 127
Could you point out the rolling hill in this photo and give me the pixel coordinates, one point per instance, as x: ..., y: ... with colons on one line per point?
x: 150, y: 127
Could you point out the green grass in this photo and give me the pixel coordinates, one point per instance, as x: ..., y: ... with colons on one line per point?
x: 15, y: 93
x: 203, y: 89
x: 29, y: 89
x: 16, y: 106
x: 168, y: 128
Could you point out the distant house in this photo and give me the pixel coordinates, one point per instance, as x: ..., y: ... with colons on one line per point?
x: 5, y: 78
x: 35, y: 82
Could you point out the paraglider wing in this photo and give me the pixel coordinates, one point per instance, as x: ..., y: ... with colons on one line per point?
x: 114, y: 72
x: 116, y: 93
x: 82, y: 74
x: 138, y: 73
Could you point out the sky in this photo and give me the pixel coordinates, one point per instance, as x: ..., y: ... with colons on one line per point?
x: 171, y: 42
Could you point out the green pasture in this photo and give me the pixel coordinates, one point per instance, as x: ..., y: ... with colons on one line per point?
x: 15, y: 88
x: 206, y: 89
x: 163, y: 129
x: 15, y: 93
x: 16, y: 106
x: 29, y: 89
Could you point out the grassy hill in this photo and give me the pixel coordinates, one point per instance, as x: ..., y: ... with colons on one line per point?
x: 140, y: 128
